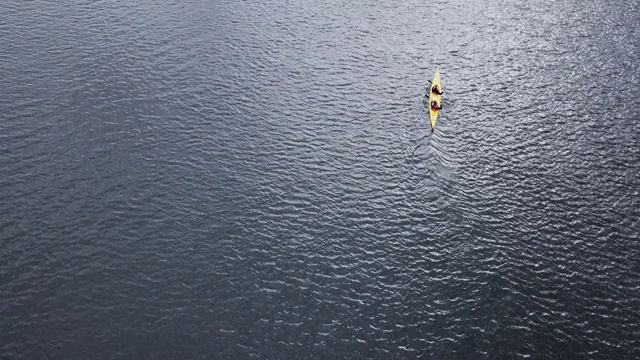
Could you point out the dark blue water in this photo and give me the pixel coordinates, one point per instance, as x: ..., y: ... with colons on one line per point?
x: 257, y: 179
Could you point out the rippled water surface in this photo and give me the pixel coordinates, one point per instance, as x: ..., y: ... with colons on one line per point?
x: 236, y: 179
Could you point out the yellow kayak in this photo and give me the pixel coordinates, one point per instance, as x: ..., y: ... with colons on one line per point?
x: 433, y: 114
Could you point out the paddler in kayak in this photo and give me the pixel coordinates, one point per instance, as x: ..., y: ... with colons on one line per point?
x: 436, y: 90
x: 435, y: 106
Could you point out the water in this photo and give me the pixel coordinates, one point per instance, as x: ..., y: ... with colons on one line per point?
x: 233, y: 179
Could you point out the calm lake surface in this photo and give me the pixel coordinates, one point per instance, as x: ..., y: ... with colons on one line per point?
x: 257, y: 179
